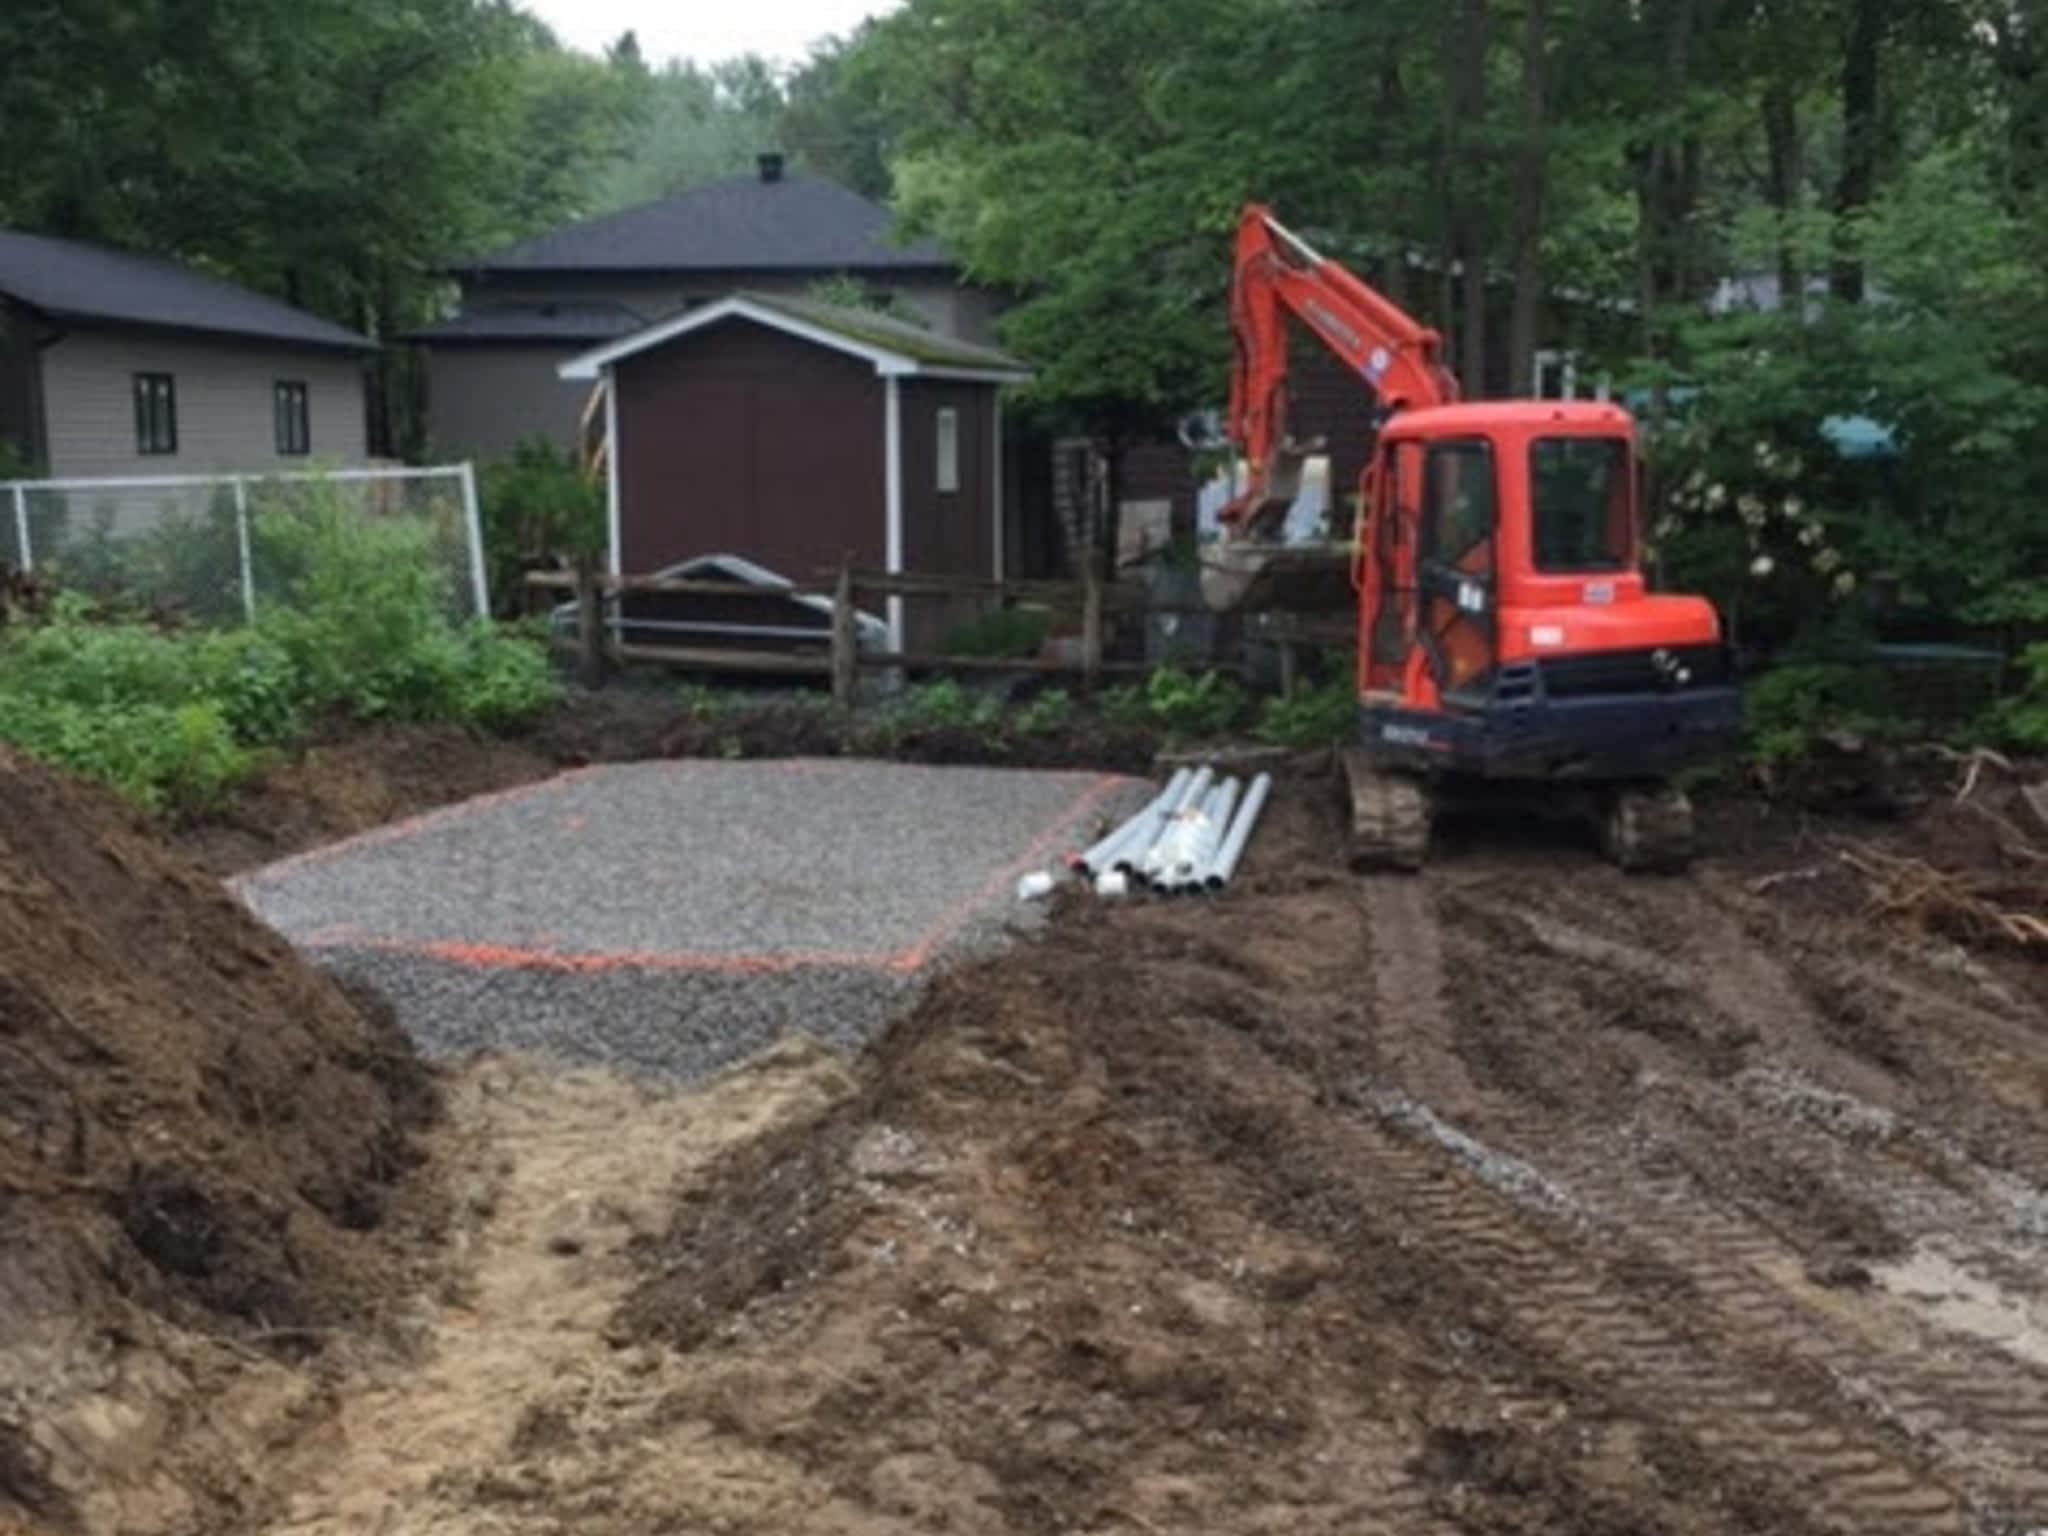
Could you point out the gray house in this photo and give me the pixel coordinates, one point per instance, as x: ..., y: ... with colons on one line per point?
x: 113, y: 363
x: 493, y: 366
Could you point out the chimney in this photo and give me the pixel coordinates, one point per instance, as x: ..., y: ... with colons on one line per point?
x: 770, y: 162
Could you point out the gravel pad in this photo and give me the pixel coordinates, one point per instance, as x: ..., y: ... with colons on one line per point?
x: 674, y: 917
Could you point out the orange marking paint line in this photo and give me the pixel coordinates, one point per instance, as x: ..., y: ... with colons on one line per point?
x: 502, y: 957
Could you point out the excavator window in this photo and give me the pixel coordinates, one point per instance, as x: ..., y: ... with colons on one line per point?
x: 1581, y: 510
x: 1457, y: 502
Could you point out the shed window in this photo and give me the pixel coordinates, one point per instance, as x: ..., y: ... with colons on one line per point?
x: 948, y: 434
x: 293, y: 422
x: 156, y: 413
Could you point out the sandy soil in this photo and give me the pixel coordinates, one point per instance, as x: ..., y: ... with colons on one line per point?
x: 516, y: 1353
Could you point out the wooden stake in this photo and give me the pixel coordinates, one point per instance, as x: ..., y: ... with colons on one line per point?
x: 845, y: 645
x: 1091, y: 621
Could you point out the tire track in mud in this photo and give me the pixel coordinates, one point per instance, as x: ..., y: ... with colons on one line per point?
x: 1771, y: 1401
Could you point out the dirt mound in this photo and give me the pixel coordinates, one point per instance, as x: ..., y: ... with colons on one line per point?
x: 198, y: 1138
x: 1520, y: 1197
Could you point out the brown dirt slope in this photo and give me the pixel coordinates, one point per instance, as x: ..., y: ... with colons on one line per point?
x: 198, y: 1137
x: 1522, y: 1197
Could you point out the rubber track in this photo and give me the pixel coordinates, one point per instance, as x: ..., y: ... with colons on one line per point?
x: 1853, y: 1477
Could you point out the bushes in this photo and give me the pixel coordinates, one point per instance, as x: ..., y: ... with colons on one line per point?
x: 172, y: 718
x: 1325, y: 716
x: 1181, y: 705
x: 537, y: 507
x: 2021, y: 722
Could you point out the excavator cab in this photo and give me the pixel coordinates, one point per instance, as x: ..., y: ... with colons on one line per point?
x: 1507, y: 634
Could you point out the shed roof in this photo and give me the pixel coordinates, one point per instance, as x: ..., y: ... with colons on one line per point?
x: 533, y: 322
x: 743, y: 223
x: 75, y: 280
x: 895, y: 347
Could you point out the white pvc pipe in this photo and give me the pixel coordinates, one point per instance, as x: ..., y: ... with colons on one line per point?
x: 1225, y: 864
x: 1103, y: 854
x: 1171, y: 862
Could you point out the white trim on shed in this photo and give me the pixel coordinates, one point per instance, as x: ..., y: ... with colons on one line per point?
x: 888, y: 362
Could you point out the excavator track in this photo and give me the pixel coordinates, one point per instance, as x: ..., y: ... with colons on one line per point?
x: 1647, y: 830
x: 1390, y: 816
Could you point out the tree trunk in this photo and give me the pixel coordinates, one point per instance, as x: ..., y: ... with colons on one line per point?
x: 1392, y: 111
x: 1532, y: 161
x: 1787, y: 173
x: 1465, y: 111
x: 1858, y: 180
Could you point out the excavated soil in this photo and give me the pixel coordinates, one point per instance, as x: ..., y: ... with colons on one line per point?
x: 200, y: 1138
x: 1522, y: 1197
x: 1518, y: 1197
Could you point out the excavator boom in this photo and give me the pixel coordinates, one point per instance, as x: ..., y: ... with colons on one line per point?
x: 1278, y: 275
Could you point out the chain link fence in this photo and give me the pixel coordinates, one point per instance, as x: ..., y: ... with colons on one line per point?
x: 215, y: 549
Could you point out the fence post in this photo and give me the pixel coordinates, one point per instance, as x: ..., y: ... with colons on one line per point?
x: 589, y: 624
x: 472, y: 514
x: 242, y: 542
x: 1091, y: 621
x: 845, y: 663
x: 28, y: 555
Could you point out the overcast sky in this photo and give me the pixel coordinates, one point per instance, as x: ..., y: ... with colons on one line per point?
x: 705, y: 30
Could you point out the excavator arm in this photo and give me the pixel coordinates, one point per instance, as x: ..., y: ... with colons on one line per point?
x: 1278, y: 275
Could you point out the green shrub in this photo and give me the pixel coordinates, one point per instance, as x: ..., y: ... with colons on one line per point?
x: 172, y: 718
x: 160, y: 756
x: 1046, y: 715
x: 1005, y: 632
x: 941, y: 706
x: 1789, y: 708
x: 2021, y: 721
x: 537, y: 507
x: 1311, y: 717
x: 1196, y: 706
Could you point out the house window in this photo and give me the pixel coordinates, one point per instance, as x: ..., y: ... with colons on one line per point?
x: 949, y: 449
x: 294, y: 428
x: 156, y: 413
x: 1557, y: 376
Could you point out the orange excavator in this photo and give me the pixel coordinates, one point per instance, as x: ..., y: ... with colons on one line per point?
x: 1507, y: 640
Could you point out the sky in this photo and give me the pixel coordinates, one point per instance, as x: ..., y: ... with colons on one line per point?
x: 705, y: 30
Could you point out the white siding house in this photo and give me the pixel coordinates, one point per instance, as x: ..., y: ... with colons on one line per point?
x: 114, y: 363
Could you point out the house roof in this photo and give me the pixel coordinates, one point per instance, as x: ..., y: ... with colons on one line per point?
x: 895, y: 347
x: 584, y: 323
x: 74, y: 280
x: 793, y: 223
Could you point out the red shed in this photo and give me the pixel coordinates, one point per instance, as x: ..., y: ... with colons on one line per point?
x: 789, y: 433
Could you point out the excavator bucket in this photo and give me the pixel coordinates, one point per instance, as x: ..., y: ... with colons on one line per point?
x: 1242, y: 576
x: 1256, y: 570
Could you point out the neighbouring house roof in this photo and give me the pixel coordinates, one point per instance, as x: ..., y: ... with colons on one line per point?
x: 792, y: 223
x: 585, y: 323
x: 74, y: 280
x: 895, y: 347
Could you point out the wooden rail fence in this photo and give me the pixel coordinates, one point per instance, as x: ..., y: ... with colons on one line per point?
x: 841, y: 659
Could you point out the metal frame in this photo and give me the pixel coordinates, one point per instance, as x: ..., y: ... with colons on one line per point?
x: 463, y: 474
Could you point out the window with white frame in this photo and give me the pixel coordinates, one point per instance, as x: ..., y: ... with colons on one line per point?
x: 947, y: 433
x: 1556, y: 375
